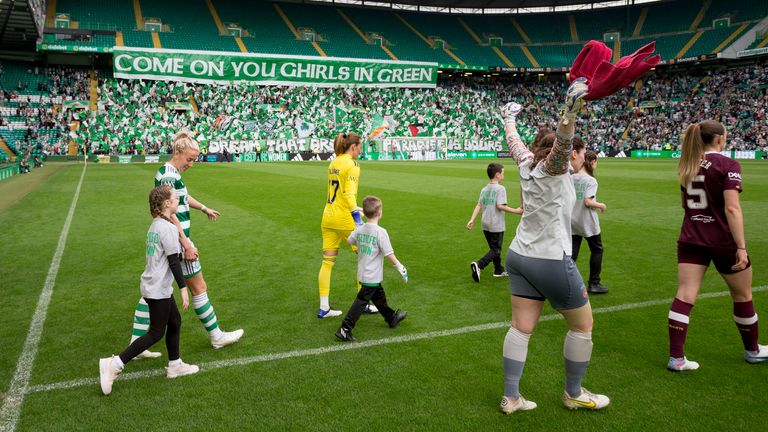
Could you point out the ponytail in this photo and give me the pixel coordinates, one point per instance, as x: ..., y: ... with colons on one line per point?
x: 589, y: 158
x: 183, y: 141
x: 696, y: 138
x: 344, y: 141
x: 542, y: 145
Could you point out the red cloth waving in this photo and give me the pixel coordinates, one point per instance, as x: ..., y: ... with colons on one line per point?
x: 604, y: 78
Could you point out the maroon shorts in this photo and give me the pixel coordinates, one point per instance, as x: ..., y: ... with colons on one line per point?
x: 724, y: 258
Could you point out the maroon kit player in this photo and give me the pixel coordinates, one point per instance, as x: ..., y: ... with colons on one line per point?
x: 713, y: 230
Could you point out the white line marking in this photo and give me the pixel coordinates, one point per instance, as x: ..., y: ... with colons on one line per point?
x: 11, y: 409
x: 64, y: 385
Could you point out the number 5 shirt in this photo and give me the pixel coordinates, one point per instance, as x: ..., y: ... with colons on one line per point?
x: 705, y: 222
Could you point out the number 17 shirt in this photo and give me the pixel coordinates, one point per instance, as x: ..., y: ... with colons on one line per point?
x: 705, y: 222
x: 343, y: 177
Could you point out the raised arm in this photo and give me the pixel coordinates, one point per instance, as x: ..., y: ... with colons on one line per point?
x: 516, y: 147
x: 556, y: 163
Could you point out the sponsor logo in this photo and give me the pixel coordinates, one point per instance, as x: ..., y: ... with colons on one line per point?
x: 590, y: 404
x: 702, y: 218
x: 734, y: 176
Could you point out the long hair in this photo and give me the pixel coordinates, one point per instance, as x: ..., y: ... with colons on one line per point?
x: 542, y: 145
x: 184, y: 141
x: 697, y: 137
x: 157, y: 197
x: 344, y: 141
x: 589, y: 158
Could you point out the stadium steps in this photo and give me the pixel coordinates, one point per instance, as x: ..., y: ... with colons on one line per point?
x: 401, y: 40
x: 667, y: 17
x: 695, y: 88
x: 700, y: 15
x: 640, y: 22
x: 572, y: 28
x: 221, y: 28
x: 689, y: 44
x: 362, y: 35
x: 616, y: 50
x: 730, y: 38
x: 4, y: 147
x: 94, y: 93
x: 156, y: 40
x: 761, y: 44
x: 479, y: 41
x: 446, y: 50
x: 737, y: 10
x: 137, y: 14
x: 529, y: 56
x: 295, y: 32
x: 414, y: 30
x: 50, y: 12
x: 520, y: 30
x: 119, y: 41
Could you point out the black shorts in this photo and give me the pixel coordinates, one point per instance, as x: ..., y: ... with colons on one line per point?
x: 724, y: 258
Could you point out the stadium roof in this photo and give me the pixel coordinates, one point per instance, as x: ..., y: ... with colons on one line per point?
x: 487, y: 6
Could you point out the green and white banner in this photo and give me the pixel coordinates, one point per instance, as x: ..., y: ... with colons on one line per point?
x: 269, y: 69
x: 325, y: 145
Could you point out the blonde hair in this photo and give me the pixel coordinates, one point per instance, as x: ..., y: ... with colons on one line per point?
x: 371, y: 206
x: 344, y: 141
x: 696, y: 138
x: 157, y: 197
x: 183, y: 141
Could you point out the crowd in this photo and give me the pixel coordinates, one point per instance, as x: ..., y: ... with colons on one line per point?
x: 135, y: 117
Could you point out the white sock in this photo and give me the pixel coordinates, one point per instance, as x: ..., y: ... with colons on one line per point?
x: 324, y: 305
x: 174, y: 363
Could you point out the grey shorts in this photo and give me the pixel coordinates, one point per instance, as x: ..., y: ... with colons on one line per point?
x: 540, y: 279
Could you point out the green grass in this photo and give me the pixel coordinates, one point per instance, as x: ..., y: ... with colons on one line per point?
x: 261, y: 261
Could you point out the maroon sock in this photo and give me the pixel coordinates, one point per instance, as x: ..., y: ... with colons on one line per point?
x: 746, y: 321
x: 678, y: 327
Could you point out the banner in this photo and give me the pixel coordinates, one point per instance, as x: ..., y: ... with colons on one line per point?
x: 675, y: 154
x: 269, y: 69
x: 387, y: 145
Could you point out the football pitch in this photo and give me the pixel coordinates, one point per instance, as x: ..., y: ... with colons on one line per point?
x: 439, y: 370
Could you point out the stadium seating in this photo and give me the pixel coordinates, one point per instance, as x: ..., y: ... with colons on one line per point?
x: 191, y: 25
x: 267, y: 31
x: 455, y: 36
x: 99, y: 15
x: 338, y: 39
x: 547, y: 36
x: 404, y: 43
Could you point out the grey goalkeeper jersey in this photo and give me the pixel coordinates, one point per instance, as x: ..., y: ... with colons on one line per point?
x: 162, y: 241
x: 493, y: 218
x: 372, y: 246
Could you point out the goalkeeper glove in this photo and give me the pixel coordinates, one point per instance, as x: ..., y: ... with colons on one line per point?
x: 403, y: 271
x: 573, y: 99
x: 357, y: 216
x: 510, y: 111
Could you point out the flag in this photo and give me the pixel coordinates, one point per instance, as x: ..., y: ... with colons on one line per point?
x: 339, y: 115
x: 378, y: 126
x: 269, y: 126
x: 392, y: 123
x: 418, y: 129
x: 250, y: 125
x: 304, y: 129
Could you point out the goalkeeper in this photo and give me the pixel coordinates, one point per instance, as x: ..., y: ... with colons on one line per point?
x: 373, y: 245
x: 341, y: 213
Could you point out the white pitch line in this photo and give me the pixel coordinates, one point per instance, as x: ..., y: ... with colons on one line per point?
x: 11, y: 409
x: 64, y: 385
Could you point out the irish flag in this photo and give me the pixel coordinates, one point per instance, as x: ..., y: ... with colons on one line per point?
x: 378, y: 125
